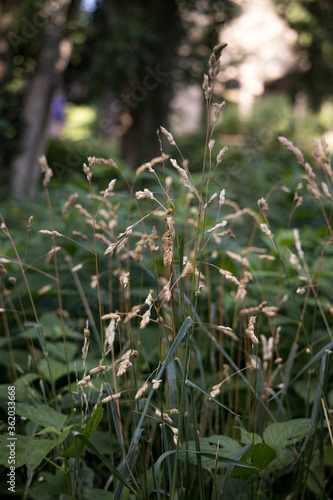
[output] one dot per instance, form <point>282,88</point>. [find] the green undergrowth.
<point>165,334</point>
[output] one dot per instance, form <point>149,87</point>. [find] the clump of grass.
<point>198,322</point>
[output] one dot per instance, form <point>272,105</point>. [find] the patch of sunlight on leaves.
<point>79,122</point>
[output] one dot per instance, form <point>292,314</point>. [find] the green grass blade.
<point>138,431</point>
<point>107,463</point>
<point>320,354</point>
<point>191,384</point>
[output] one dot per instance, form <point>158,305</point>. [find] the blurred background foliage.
<point>115,69</point>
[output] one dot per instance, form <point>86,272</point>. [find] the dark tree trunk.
<point>148,103</point>
<point>52,62</point>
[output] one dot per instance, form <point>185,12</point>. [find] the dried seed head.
<point>207,89</point>
<point>214,60</point>
<point>218,108</point>
<point>263,205</point>
<point>221,154</point>
<point>141,195</point>
<point>168,136</point>
<point>70,202</point>
<point>112,397</point>
<point>267,231</point>
<point>84,381</point>
<point>109,189</point>
<point>167,292</point>
<point>45,170</point>
<point>97,369</point>
<point>250,330</point>
<point>29,226</point>
<point>222,197</point>
<point>150,298</point>
<point>156,383</point>
<point>289,145</point>
<point>163,415</point>
<point>188,269</point>
<point>123,366</point>
<point>218,226</point>
<point>145,319</point>
<point>141,391</point>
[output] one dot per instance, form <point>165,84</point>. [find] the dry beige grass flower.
<point>168,135</point>
<point>141,391</point>
<point>112,397</point>
<point>267,231</point>
<point>145,319</point>
<point>156,383</point>
<point>263,205</point>
<point>289,145</point>
<point>141,195</point>
<point>163,415</point>
<point>250,330</point>
<point>214,60</point>
<point>220,155</point>
<point>48,174</point>
<point>188,270</point>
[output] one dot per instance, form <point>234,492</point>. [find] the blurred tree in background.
<point>313,22</point>
<point>124,57</point>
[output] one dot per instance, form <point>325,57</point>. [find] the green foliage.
<point>313,23</point>
<point>212,364</point>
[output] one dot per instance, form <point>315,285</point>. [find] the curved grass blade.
<point>138,431</point>
<point>107,463</point>
<point>320,354</point>
<point>230,461</point>
<point>191,384</point>
<point>230,361</point>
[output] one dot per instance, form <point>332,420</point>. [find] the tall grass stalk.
<point>183,336</point>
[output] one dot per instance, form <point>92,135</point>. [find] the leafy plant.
<point>165,342</point>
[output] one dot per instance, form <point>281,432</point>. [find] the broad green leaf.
<point>284,459</point>
<point>228,447</point>
<point>21,444</point>
<point>260,456</point>
<point>38,449</point>
<point>286,433</point>
<point>235,489</point>
<point>249,437</point>
<point>96,494</point>
<point>86,431</point>
<point>42,415</point>
<point>51,486</point>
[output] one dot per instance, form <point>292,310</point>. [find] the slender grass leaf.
<point>230,360</point>
<point>305,368</point>
<point>227,477</point>
<point>106,462</point>
<point>206,454</point>
<point>191,384</point>
<point>138,431</point>
<point>86,431</point>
